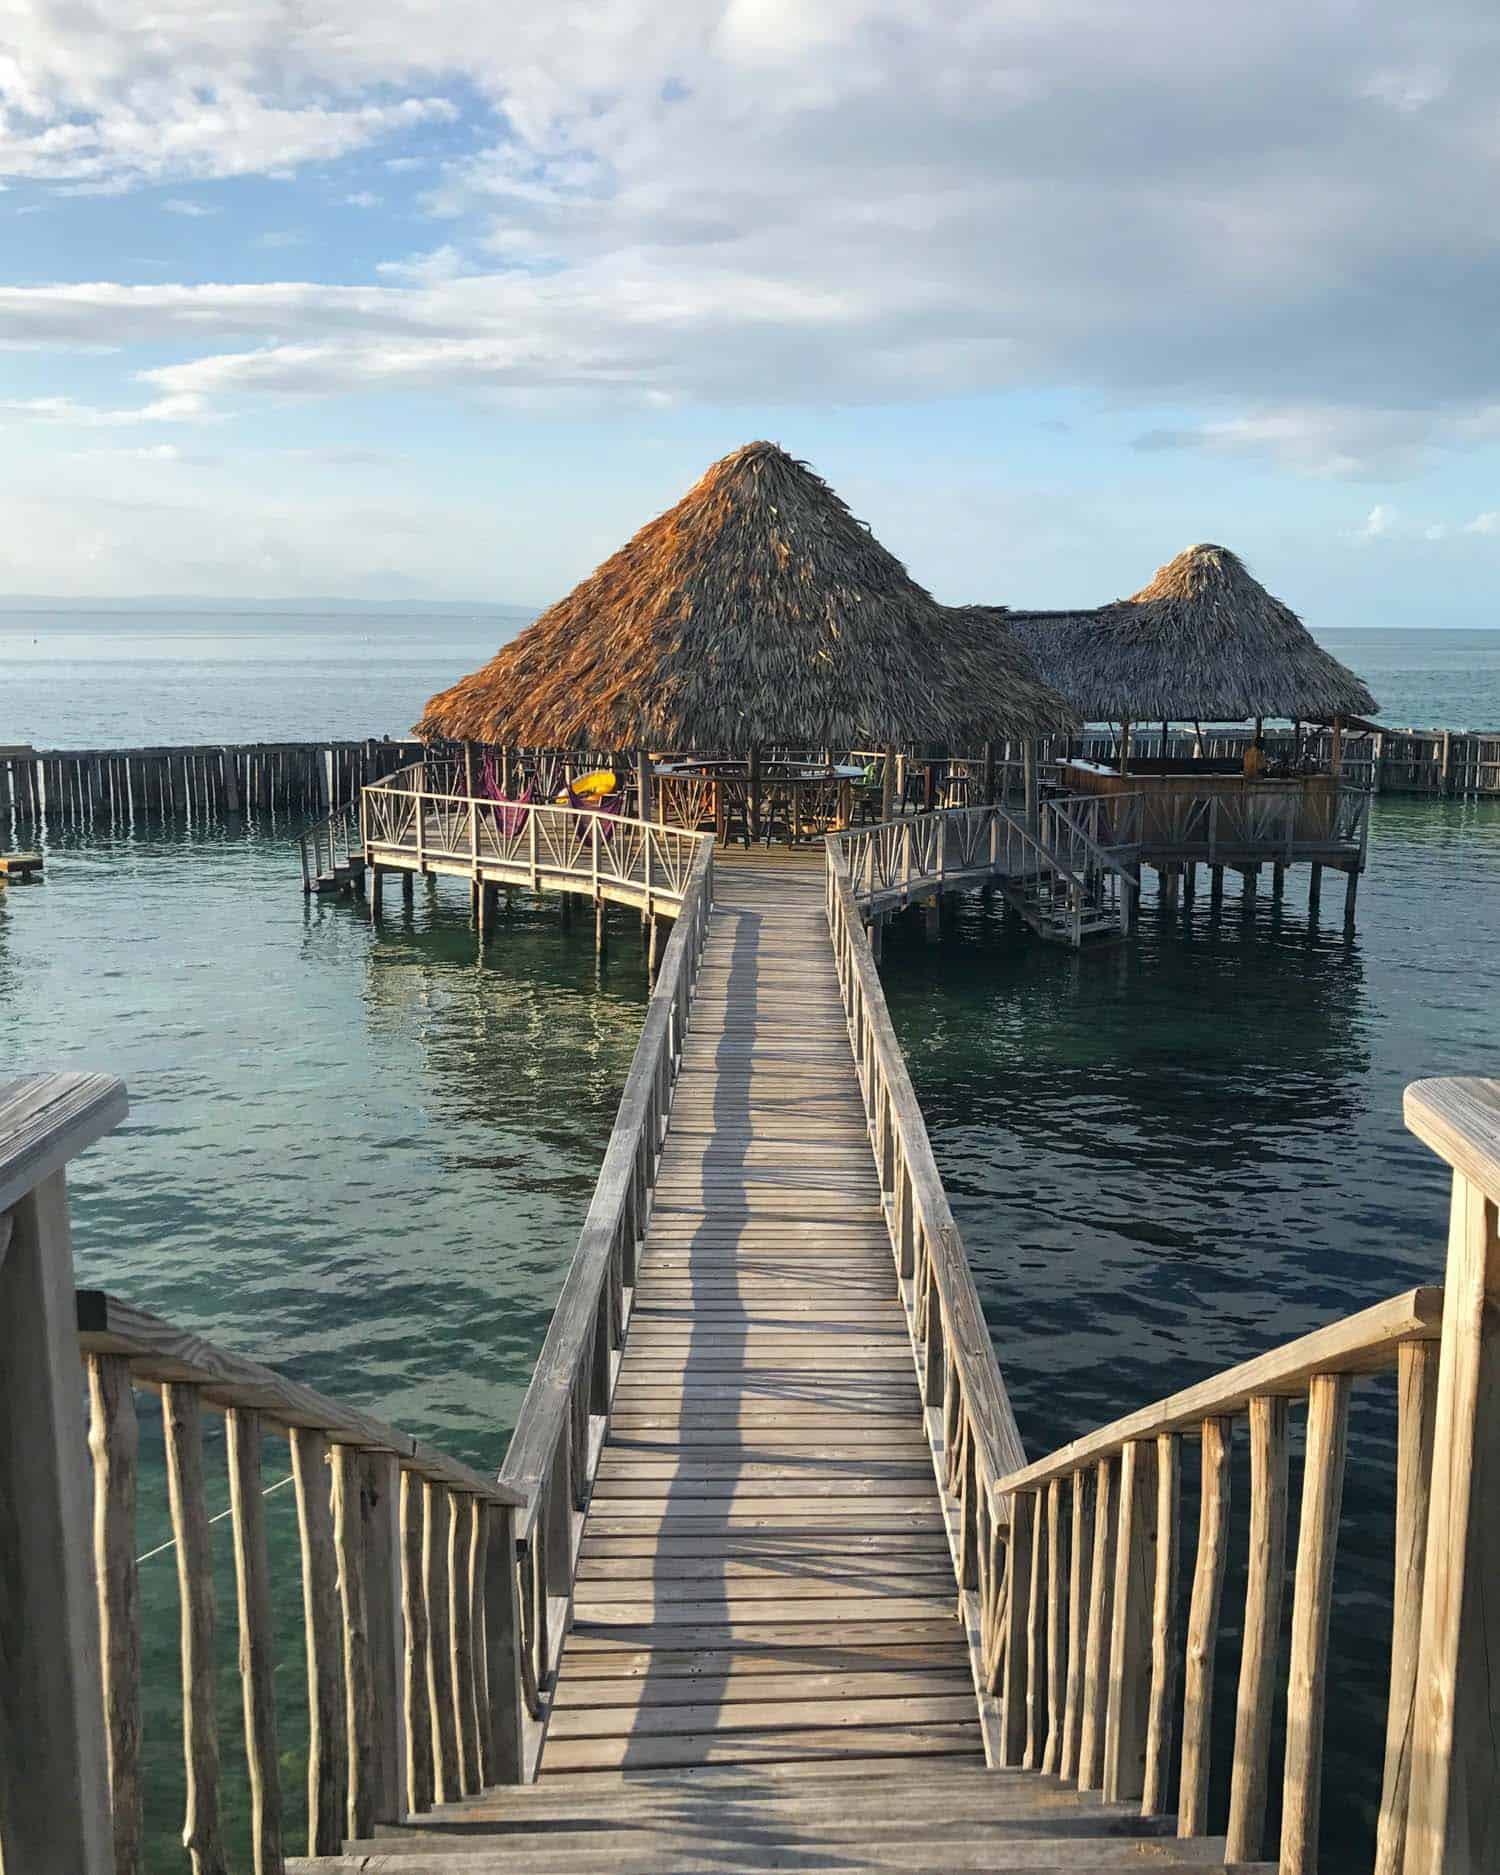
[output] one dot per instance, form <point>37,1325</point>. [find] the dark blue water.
<point>365,1157</point>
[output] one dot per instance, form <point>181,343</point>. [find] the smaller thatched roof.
<point>756,613</point>
<point>1204,641</point>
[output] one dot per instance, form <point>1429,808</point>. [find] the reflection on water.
<point>1170,1155</point>
<point>357,1155</point>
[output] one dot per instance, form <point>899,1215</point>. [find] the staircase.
<point>1058,911</point>
<point>864,1814</point>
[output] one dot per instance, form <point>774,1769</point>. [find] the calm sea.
<point>366,1158</point>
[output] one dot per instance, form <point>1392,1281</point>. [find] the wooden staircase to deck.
<point>918,1816</point>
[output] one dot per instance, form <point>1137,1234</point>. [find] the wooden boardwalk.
<point>765,1574</point>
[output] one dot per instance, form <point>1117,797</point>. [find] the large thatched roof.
<point>1203,641</point>
<point>756,613</point>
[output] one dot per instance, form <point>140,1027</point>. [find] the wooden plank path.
<point>765,1575</point>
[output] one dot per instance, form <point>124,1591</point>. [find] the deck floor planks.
<point>765,1574</point>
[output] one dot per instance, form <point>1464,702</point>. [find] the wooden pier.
<point>766,1579</point>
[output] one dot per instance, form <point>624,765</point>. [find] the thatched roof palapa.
<point>756,613</point>
<point>1204,641</point>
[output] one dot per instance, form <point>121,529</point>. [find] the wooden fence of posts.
<point>1443,762</point>
<point>197,784</point>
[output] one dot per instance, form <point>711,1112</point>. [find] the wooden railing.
<point>632,862</point>
<point>409,1578</point>
<point>968,1412</point>
<point>1094,1676</point>
<point>554,1450</point>
<point>330,846</point>
<point>1062,863</point>
<point>1259,821</point>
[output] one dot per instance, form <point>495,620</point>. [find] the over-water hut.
<point>757,617</point>
<point>1205,642</point>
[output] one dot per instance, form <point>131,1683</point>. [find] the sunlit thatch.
<point>756,613</point>
<point>1204,641</point>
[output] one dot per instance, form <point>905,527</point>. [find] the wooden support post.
<point>1262,1636</point>
<point>257,1647</point>
<point>1189,883</point>
<point>1036,1637</point>
<point>461,1639</point>
<point>1096,1652</point>
<point>1351,894</point>
<point>644,804</point>
<point>888,763</point>
<point>408,888</point>
<point>986,778</point>
<point>753,797</point>
<point>447,1784</point>
<point>326,1771</point>
<point>601,928</point>
<point>1080,1571</point>
<point>1018,1568</point>
<point>416,1695</point>
<point>932,919</point>
<point>1314,892</point>
<point>1029,771</point>
<point>359,1697</point>
<point>1215,887</point>
<point>1165,1652</point>
<point>1312,1602</point>
<point>182,1426</point>
<point>1056,1616</point>
<point>653,942</point>
<point>1418,1375</point>
<point>1128,1710</point>
<point>54,1777</point>
<point>1454,1822</point>
<point>1203,1628</point>
<point>1278,880</point>
<point>114,1442</point>
<point>502,1647</point>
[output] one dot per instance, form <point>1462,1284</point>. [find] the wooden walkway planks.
<point>765,1573</point>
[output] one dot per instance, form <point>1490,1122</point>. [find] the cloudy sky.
<point>390,299</point>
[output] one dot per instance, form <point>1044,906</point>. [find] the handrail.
<point>1366,1343</point>
<point>971,1425</point>
<point>161,1354</point>
<point>1101,856</point>
<point>532,843</point>
<point>411,1604</point>
<point>1090,1656</point>
<point>554,1450</point>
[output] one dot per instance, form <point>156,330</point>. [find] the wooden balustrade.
<point>378,1615</point>
<point>554,1450</point>
<point>423,820</point>
<point>973,1430</point>
<point>1124,1658</point>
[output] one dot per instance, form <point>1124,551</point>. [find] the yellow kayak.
<point>592,787</point>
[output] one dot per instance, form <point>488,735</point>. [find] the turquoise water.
<point>365,1157</point>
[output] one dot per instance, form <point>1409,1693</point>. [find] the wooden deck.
<point>765,1574</point>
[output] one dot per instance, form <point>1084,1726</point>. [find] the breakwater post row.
<point>200,783</point>
<point>1444,762</point>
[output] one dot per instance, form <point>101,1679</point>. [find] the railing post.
<point>1454,1821</point>
<point>502,1650</point>
<point>54,1776</point>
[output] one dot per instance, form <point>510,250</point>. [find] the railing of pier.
<point>526,843</point>
<point>329,845</point>
<point>1069,866</point>
<point>1101,1687</point>
<point>968,1413</point>
<point>1214,826</point>
<point>411,1609</point>
<point>554,1451</point>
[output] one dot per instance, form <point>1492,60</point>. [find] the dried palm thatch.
<point>1204,641</point>
<point>756,613</point>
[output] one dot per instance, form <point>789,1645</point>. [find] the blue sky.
<point>388,301</point>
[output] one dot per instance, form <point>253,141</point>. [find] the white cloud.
<point>1381,522</point>
<point>1278,213</point>
<point>175,407</point>
<point>1488,523</point>
<point>362,198</point>
<point>177,205</point>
